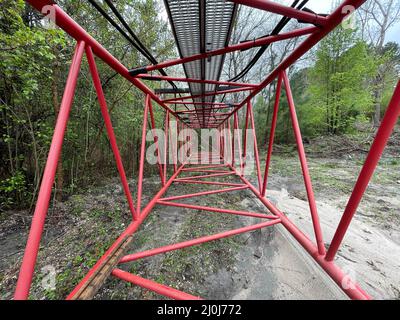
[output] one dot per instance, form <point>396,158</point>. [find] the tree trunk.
<point>378,88</point>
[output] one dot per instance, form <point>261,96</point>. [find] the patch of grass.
<point>78,204</point>
<point>182,269</point>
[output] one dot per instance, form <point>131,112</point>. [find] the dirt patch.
<point>258,265</point>
<point>371,248</point>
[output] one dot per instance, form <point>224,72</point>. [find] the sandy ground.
<point>369,254</point>
<point>260,265</point>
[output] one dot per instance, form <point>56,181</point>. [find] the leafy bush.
<point>13,191</point>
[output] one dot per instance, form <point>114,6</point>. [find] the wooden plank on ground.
<point>95,282</point>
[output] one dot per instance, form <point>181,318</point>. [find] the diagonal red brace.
<point>42,203</point>
<point>204,193</point>
<point>153,286</point>
<point>190,243</point>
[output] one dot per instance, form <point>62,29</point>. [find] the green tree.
<point>26,57</point>
<point>34,64</point>
<point>339,89</point>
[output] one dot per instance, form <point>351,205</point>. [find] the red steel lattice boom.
<point>202,67</point>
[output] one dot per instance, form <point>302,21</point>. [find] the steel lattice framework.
<point>202,31</point>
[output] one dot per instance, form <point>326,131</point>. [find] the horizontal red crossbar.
<point>221,104</point>
<point>218,210</point>
<point>190,80</point>
<point>201,156</point>
<point>289,12</point>
<point>205,193</point>
<point>207,176</point>
<point>193,112</point>
<point>213,183</point>
<point>153,286</point>
<point>208,94</point>
<point>237,47</point>
<point>205,170</point>
<point>332,22</point>
<point>190,243</point>
<point>209,166</point>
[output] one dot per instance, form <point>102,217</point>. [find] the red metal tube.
<point>166,129</point>
<point>272,134</point>
<point>218,210</point>
<point>190,80</point>
<point>185,145</point>
<point>204,193</point>
<point>228,142</point>
<point>173,146</point>
<point>217,114</point>
<point>142,155</point>
<point>110,131</point>
<point>65,22</point>
<point>289,12</point>
<point>382,136</point>
<point>332,22</point>
<point>256,156</point>
<point>153,127</point>
<point>207,176</point>
<point>205,170</point>
<point>191,113</point>
<point>246,126</point>
<point>351,288</point>
<point>239,143</point>
<point>223,141</point>
<point>194,242</point>
<point>304,167</point>
<point>216,104</point>
<point>211,183</point>
<point>220,142</point>
<point>214,166</point>
<point>128,231</point>
<point>42,204</point>
<point>237,47</point>
<point>178,143</point>
<point>208,94</point>
<point>153,286</point>
<point>232,139</point>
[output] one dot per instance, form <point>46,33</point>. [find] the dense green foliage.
<point>335,95</point>
<point>34,63</point>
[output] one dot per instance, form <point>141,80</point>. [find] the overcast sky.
<point>324,6</point>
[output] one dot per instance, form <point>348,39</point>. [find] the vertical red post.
<point>304,167</point>
<point>188,150</point>
<point>109,127</point>
<point>272,133</point>
<point>142,154</point>
<point>256,155</point>
<point>42,204</point>
<point>246,127</point>
<point>232,139</point>
<point>180,144</point>
<point>382,136</point>
<point>190,143</point>
<point>228,142</point>
<point>156,140</point>
<point>237,132</point>
<point>173,146</point>
<point>166,127</point>
<point>221,142</point>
